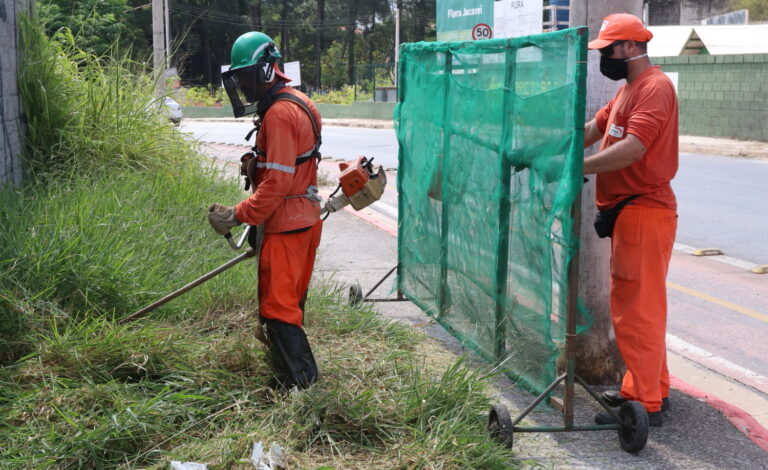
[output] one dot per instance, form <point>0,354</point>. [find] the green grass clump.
<point>86,243</point>
<point>87,113</point>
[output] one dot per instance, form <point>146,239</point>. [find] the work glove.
<point>222,218</point>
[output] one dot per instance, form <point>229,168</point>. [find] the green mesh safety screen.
<point>490,165</point>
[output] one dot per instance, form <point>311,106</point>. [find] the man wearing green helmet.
<point>282,174</point>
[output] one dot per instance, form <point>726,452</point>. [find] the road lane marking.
<point>723,303</point>
<point>739,263</point>
<point>718,364</point>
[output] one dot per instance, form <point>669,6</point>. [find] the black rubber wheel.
<point>500,425</point>
<point>634,433</point>
<point>355,294</point>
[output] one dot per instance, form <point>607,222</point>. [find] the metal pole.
<point>248,254</point>
<point>397,41</point>
<point>504,205</point>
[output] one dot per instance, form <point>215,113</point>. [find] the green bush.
<point>201,96</point>
<point>345,95</point>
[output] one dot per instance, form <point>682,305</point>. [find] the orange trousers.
<point>641,247</point>
<point>285,269</point>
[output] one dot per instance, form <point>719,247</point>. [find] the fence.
<point>490,163</point>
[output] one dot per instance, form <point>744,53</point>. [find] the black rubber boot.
<point>291,355</point>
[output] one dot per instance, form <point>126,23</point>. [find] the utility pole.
<point>397,42</point>
<point>158,45</point>
<point>598,360</point>
<point>167,33</point>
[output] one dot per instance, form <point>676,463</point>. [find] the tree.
<point>96,24</point>
<point>758,9</point>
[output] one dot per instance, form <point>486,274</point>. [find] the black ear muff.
<point>264,72</point>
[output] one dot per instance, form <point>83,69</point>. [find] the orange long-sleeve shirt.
<point>286,132</point>
<point>646,109</point>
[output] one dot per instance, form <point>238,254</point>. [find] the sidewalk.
<point>694,435</point>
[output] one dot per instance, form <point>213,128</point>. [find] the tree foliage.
<point>333,39</point>
<point>97,24</point>
<point>758,9</point>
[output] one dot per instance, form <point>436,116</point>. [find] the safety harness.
<point>248,160</point>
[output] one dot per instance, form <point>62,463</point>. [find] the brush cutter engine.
<point>360,184</point>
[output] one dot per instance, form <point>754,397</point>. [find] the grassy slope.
<point>113,218</point>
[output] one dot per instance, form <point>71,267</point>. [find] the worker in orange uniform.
<point>282,174</point>
<point>638,158</point>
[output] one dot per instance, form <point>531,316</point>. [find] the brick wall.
<point>10,106</point>
<point>722,95</point>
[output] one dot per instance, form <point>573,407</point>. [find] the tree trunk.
<point>351,42</point>
<point>284,30</point>
<point>421,26</point>
<point>319,43</point>
<point>207,54</point>
<point>254,12</point>
<point>597,358</point>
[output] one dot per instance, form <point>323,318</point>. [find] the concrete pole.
<point>598,360</point>
<point>167,33</point>
<point>158,45</point>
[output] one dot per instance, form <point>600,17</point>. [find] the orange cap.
<point>620,27</point>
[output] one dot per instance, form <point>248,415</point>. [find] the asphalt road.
<point>343,143</point>
<point>721,199</point>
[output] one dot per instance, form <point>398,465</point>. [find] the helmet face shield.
<point>244,86</point>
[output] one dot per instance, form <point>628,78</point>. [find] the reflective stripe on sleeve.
<point>276,166</point>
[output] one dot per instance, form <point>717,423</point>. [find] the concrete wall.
<point>685,12</point>
<point>722,95</point>
<point>10,105</point>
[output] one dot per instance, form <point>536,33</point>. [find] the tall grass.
<point>87,113</point>
<point>88,241</point>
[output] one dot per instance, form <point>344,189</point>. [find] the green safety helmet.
<point>254,59</point>
<point>252,48</point>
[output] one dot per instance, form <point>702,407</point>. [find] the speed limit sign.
<point>482,31</point>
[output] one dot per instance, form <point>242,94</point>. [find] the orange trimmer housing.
<point>353,178</point>
<point>360,183</point>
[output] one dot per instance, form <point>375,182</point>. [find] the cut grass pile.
<point>86,243</point>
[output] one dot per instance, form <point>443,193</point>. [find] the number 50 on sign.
<point>482,31</point>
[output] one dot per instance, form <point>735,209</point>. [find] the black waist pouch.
<point>605,220</point>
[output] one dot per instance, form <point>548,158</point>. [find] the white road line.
<point>739,263</point>
<point>718,364</point>
<point>386,208</point>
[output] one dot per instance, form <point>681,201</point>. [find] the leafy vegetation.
<point>758,9</point>
<point>201,96</point>
<point>328,37</point>
<point>111,218</point>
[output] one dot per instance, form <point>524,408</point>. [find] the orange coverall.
<point>292,224</point>
<point>641,245</point>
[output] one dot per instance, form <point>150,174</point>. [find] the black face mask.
<point>615,69</point>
